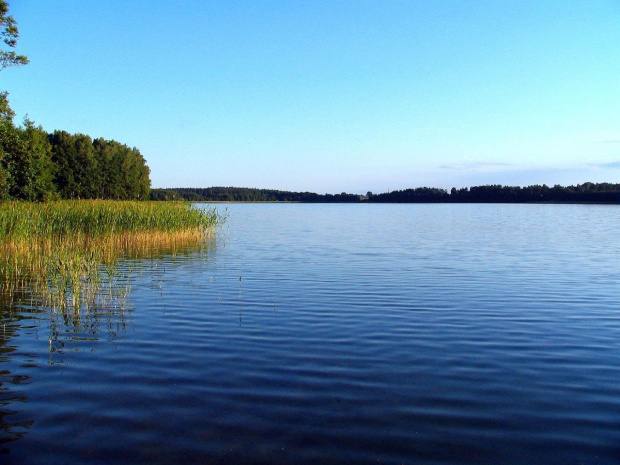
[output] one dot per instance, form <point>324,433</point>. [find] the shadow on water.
<point>82,290</point>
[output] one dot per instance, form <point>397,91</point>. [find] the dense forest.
<point>586,192</point>
<point>243,194</point>
<point>35,165</point>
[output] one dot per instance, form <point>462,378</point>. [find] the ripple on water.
<point>340,334</point>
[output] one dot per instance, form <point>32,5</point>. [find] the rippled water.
<point>418,334</point>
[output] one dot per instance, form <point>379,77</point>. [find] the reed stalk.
<point>62,253</point>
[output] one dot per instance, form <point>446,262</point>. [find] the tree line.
<point>587,193</point>
<point>36,165</point>
<point>244,194</point>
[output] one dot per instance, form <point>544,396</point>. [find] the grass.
<point>64,252</point>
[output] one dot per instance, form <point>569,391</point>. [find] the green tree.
<point>10,34</point>
<point>138,180</point>
<point>6,112</point>
<point>7,139</point>
<point>6,130</point>
<point>110,158</point>
<point>86,168</point>
<point>123,170</point>
<point>25,162</point>
<point>35,163</point>
<point>14,161</point>
<point>64,157</point>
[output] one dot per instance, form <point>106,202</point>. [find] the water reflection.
<point>12,427</point>
<point>12,430</point>
<point>76,315</point>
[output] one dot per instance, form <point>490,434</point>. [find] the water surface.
<point>422,334</point>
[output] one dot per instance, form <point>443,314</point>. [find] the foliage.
<point>35,165</point>
<point>25,164</point>
<point>242,194</point>
<point>98,169</point>
<point>166,194</point>
<point>587,192</point>
<point>38,166</point>
<point>27,161</point>
<point>417,195</point>
<point>10,34</point>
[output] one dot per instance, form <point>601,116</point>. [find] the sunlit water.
<point>331,334</point>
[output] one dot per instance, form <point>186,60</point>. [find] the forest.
<point>36,165</point>
<point>244,194</point>
<point>582,193</point>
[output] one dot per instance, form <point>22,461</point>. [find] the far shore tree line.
<point>36,166</point>
<point>582,193</point>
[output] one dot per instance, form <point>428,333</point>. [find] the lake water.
<point>336,334</point>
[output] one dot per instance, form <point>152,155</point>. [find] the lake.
<point>335,334</point>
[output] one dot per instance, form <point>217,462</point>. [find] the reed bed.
<point>64,253</point>
<point>92,218</point>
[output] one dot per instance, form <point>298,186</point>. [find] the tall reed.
<point>62,252</point>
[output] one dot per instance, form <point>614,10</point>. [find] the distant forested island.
<point>582,193</point>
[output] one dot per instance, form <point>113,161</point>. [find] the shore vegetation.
<point>581,193</point>
<point>64,253</point>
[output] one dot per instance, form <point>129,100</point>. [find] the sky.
<point>332,96</point>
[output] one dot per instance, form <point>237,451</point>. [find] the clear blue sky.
<point>332,96</point>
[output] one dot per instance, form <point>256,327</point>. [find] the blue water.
<point>417,334</point>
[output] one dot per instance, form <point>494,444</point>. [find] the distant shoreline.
<point>586,193</point>
<point>413,203</point>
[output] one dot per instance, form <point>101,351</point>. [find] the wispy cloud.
<point>470,165</point>
<point>610,164</point>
